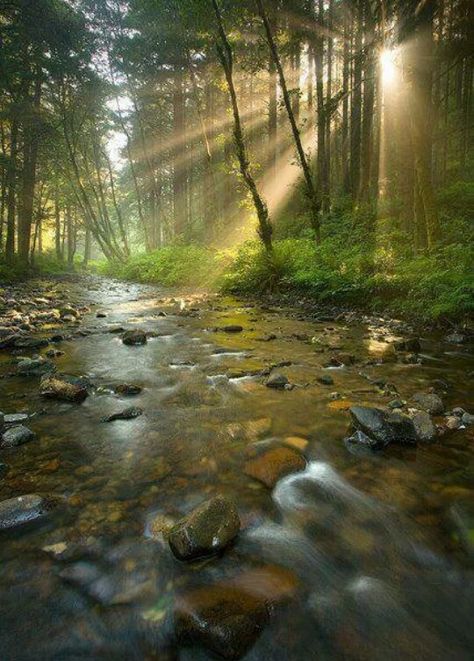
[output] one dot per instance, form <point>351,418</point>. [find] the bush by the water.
<point>426,287</point>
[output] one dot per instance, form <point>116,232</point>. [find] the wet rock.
<point>277,381</point>
<point>425,429</point>
<point>326,380</point>
<point>19,511</point>
<point>358,438</point>
<point>455,338</point>
<point>223,619</point>
<point>62,388</point>
<point>382,426</point>
<point>396,404</point>
<point>268,338</point>
<point>134,337</point>
<point>467,419</point>
<point>68,313</point>
<point>54,353</point>
<point>57,338</point>
<point>232,328</point>
<point>207,530</point>
<point>17,435</point>
<point>30,343</point>
<point>453,422</point>
<point>127,414</point>
<point>412,345</point>
<point>4,468</point>
<point>429,402</point>
<point>341,360</point>
<point>35,367</point>
<point>127,389</point>
<point>273,464</point>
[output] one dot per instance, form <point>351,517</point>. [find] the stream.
<point>360,555</point>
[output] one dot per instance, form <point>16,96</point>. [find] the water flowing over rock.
<point>383,426</point>
<point>127,414</point>
<point>134,337</point>
<point>273,464</point>
<point>207,530</point>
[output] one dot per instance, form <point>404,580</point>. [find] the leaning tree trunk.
<point>226,58</point>
<point>308,177</point>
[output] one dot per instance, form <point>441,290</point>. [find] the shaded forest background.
<point>321,145</point>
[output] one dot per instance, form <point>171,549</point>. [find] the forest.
<point>319,145</point>
<point>236,330</point>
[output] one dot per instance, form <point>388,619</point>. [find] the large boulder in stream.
<point>63,388</point>
<point>19,511</point>
<point>383,426</point>
<point>207,530</point>
<point>134,337</point>
<point>17,435</point>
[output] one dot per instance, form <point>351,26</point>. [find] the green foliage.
<point>45,264</point>
<point>423,288</point>
<point>174,265</point>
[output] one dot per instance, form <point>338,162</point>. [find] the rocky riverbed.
<point>185,476</point>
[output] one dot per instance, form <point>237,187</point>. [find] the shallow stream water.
<point>365,545</point>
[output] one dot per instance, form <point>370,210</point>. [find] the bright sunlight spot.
<point>388,61</point>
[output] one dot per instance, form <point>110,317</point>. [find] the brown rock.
<point>54,387</point>
<point>273,464</point>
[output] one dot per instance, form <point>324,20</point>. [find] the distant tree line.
<point>211,101</point>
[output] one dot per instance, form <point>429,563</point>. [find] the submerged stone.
<point>382,426</point>
<point>127,414</point>
<point>410,344</point>
<point>207,530</point>
<point>232,328</point>
<point>127,389</point>
<point>273,464</point>
<point>223,619</point>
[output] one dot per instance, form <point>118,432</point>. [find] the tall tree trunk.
<point>311,192</point>
<point>356,101</point>
<point>418,67</point>
<point>226,58</point>
<point>57,227</point>
<point>368,109</point>
<point>179,156</point>
<point>30,159</point>
<point>87,247</point>
<point>11,195</point>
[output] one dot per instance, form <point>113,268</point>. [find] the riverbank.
<point>435,290</point>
